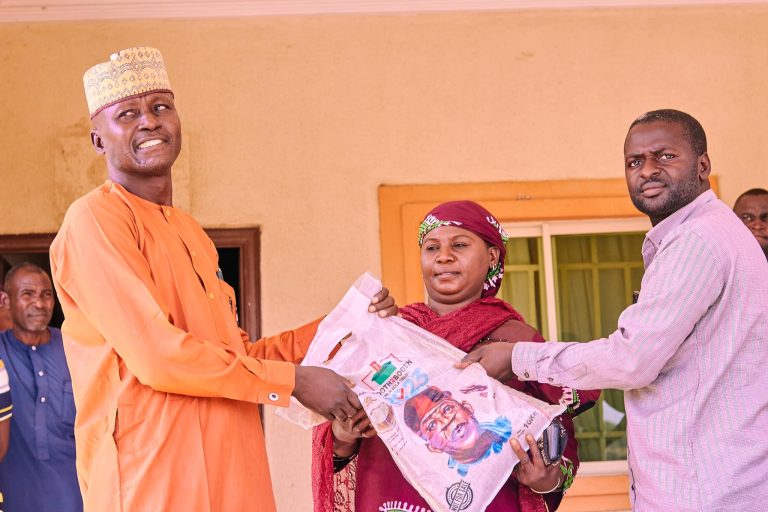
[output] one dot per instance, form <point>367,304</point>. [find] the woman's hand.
<point>532,472</point>
<point>347,433</point>
<point>383,304</point>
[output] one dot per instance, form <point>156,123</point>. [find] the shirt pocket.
<point>230,301</point>
<point>68,410</point>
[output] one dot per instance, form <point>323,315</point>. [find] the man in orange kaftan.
<point>166,385</point>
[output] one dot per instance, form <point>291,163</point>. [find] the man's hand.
<point>496,358</point>
<point>325,392</point>
<point>383,304</point>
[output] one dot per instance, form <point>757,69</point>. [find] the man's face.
<point>753,212</point>
<point>662,170</point>
<point>450,427</point>
<point>30,298</point>
<point>140,136</point>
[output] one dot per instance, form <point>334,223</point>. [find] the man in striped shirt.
<point>692,353</point>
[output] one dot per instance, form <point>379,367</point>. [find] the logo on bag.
<point>386,374</point>
<point>394,379</point>
<point>382,372</point>
<point>459,496</point>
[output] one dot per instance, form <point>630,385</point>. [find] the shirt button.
<point>167,213</point>
<point>274,397</point>
<point>210,295</point>
<point>550,379</point>
<point>526,375</point>
<point>193,254</point>
<point>34,348</point>
<point>41,373</point>
<point>42,399</point>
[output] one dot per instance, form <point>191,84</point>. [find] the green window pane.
<point>576,304</point>
<point>618,248</point>
<point>523,283</point>
<point>522,251</point>
<point>573,249</point>
<point>613,288</point>
<point>594,279</point>
<point>596,275</point>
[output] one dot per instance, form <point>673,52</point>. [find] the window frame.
<point>547,230</point>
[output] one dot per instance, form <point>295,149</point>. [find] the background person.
<point>752,208</point>
<point>38,471</point>
<point>462,264</point>
<point>690,354</point>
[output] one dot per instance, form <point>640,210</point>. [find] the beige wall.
<point>292,123</point>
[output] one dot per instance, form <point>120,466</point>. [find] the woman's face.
<point>454,263</point>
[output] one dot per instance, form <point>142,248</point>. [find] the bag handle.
<point>349,315</point>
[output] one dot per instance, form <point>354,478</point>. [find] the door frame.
<point>244,239</point>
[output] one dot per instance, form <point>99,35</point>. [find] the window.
<point>571,280</point>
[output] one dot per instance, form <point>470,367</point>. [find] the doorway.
<point>238,250</point>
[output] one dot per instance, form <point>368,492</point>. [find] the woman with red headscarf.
<point>462,264</point>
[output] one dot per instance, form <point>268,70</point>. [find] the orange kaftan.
<point>166,385</point>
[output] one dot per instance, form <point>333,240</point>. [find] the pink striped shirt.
<point>692,356</point>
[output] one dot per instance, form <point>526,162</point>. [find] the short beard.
<point>678,195</point>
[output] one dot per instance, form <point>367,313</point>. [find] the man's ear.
<point>98,144</point>
<point>5,300</point>
<point>704,166</point>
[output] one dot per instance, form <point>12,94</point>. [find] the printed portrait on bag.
<point>449,426</point>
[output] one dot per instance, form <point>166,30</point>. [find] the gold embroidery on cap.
<point>128,72</point>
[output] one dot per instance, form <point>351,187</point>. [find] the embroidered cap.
<point>127,74</point>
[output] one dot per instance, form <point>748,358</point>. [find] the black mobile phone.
<point>552,442</point>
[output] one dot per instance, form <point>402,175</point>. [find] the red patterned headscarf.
<point>472,217</point>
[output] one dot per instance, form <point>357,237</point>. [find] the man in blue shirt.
<point>38,472</point>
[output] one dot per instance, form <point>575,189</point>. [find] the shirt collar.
<point>663,228</point>
<point>20,346</point>
<point>121,190</point>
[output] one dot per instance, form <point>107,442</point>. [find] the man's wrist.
<point>523,360</point>
<point>298,374</point>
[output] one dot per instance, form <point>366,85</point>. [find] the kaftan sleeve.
<point>102,277</point>
<point>287,346</point>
